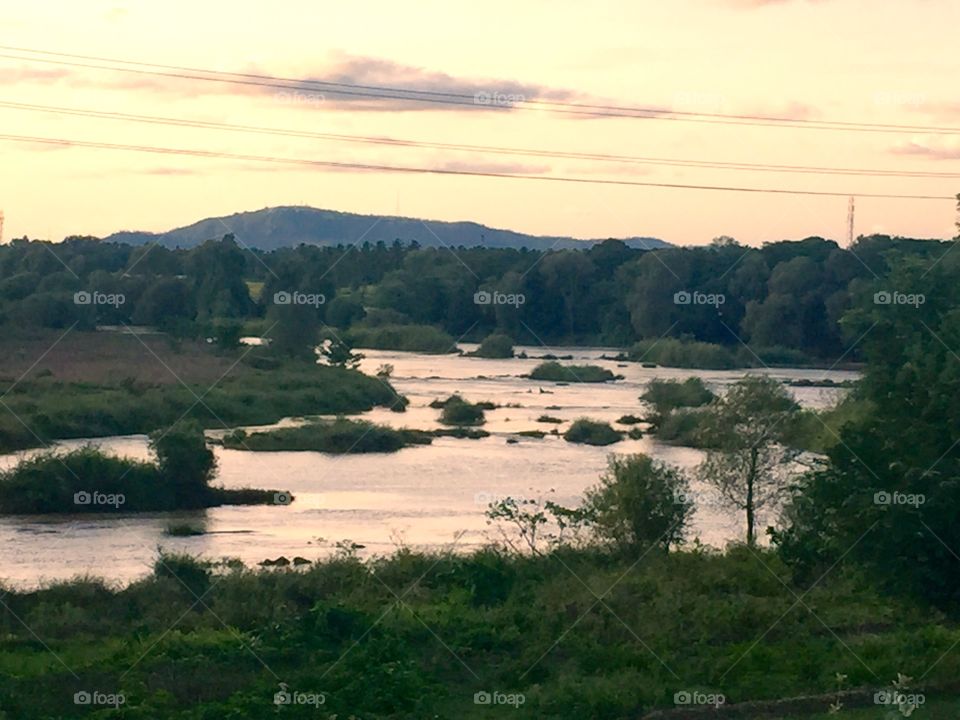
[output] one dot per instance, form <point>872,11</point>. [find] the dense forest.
<point>785,300</point>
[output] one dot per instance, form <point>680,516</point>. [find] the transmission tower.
<point>851,214</point>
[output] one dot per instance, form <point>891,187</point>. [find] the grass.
<point>671,352</point>
<point>555,372</point>
<point>495,346</point>
<point>408,338</point>
<point>340,436</point>
<point>530,624</point>
<point>591,432</point>
<point>94,400</point>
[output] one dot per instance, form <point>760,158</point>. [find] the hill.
<point>278,227</point>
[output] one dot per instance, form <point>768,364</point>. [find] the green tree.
<point>747,427</point>
<point>639,502</point>
<point>185,462</point>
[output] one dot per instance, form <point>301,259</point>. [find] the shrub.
<point>185,462</point>
<point>496,345</point>
<point>671,352</point>
<point>555,372</point>
<point>639,502</point>
<point>664,396</point>
<point>409,338</point>
<point>339,436</point>
<point>590,432</point>
<point>457,411</point>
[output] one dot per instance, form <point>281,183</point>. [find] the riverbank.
<point>576,633</point>
<point>89,385</point>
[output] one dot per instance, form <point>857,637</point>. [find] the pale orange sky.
<point>844,60</point>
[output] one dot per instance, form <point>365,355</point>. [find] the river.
<point>422,497</point>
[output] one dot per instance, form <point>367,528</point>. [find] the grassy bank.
<point>484,622</point>
<point>338,436</point>
<point>128,385</point>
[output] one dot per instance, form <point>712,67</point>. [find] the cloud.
<point>933,147</point>
<point>408,88</point>
<point>44,76</point>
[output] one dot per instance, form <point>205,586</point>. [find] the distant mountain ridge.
<point>280,227</point>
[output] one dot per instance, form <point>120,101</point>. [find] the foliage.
<point>336,628</point>
<point>339,436</point>
<point>591,432</point>
<point>340,354</point>
<point>496,345</point>
<point>888,494</point>
<point>638,504</point>
<point>680,353</point>
<point>411,338</point>
<point>747,428</point>
<point>457,411</point>
<point>665,396</point>
<point>555,372</point>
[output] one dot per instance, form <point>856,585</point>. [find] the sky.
<point>846,61</point>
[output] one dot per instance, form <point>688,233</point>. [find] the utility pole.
<point>851,214</point>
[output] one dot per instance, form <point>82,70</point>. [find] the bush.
<point>590,432</point>
<point>408,338</point>
<point>185,462</point>
<point>496,345</point>
<point>664,396</point>
<point>339,436</point>
<point>457,411</point>
<point>555,372</point>
<point>671,352</point>
<point>639,502</point>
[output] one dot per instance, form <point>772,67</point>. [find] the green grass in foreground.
<point>487,621</point>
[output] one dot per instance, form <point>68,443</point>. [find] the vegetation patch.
<point>340,436</point>
<point>591,432</point>
<point>407,338</point>
<point>495,346</point>
<point>555,372</point>
<point>87,480</point>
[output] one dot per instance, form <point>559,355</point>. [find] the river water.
<point>421,497</point>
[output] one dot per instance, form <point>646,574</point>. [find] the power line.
<point>494,149</point>
<point>442,171</point>
<point>464,99</point>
